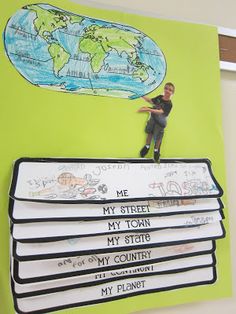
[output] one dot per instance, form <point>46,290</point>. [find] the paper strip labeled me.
<point>111,180</point>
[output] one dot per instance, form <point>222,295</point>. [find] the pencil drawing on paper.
<point>67,186</point>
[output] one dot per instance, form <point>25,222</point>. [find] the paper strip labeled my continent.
<point>112,180</point>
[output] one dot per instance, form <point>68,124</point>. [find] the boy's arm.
<point>147,99</point>
<point>147,109</point>
<point>156,111</point>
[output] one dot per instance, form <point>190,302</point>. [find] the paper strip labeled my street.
<point>21,211</point>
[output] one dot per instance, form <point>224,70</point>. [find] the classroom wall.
<point>219,13</point>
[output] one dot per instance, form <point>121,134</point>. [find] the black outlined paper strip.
<point>168,267</point>
<point>112,180</point>
<point>116,243</point>
<point>45,270</point>
<point>24,212</point>
<point>113,291</point>
<point>54,231</point>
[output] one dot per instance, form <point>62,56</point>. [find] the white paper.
<point>117,289</point>
<point>29,271</point>
<point>100,181</point>
<point>115,242</point>
<point>43,211</point>
<point>53,230</point>
<point>174,266</point>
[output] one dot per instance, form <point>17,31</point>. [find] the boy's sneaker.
<point>157,156</point>
<point>144,151</point>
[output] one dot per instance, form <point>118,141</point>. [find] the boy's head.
<point>169,89</point>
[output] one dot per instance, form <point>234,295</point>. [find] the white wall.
<point>219,13</point>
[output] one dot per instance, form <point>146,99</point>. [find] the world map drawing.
<point>63,51</point>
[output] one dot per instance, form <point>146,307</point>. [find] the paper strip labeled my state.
<point>113,291</point>
<point>173,266</point>
<point>116,242</point>
<point>35,271</point>
<point>31,232</point>
<point>22,212</point>
<point>112,180</point>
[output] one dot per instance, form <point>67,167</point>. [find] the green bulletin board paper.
<point>36,122</point>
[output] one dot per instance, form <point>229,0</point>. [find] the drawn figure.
<point>77,185</point>
<point>88,192</point>
<point>187,202</point>
<point>157,121</point>
<point>184,248</point>
<point>67,178</point>
<point>68,186</point>
<point>46,193</point>
<point>103,188</point>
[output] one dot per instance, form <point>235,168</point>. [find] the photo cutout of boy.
<point>157,122</point>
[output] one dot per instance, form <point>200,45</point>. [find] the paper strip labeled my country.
<point>29,232</point>
<point>172,266</point>
<point>21,211</point>
<point>51,269</point>
<point>112,291</point>
<point>101,181</point>
<point>116,242</point>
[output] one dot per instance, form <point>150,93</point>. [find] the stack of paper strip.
<point>86,231</point>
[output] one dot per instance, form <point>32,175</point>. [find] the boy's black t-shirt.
<point>160,103</point>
